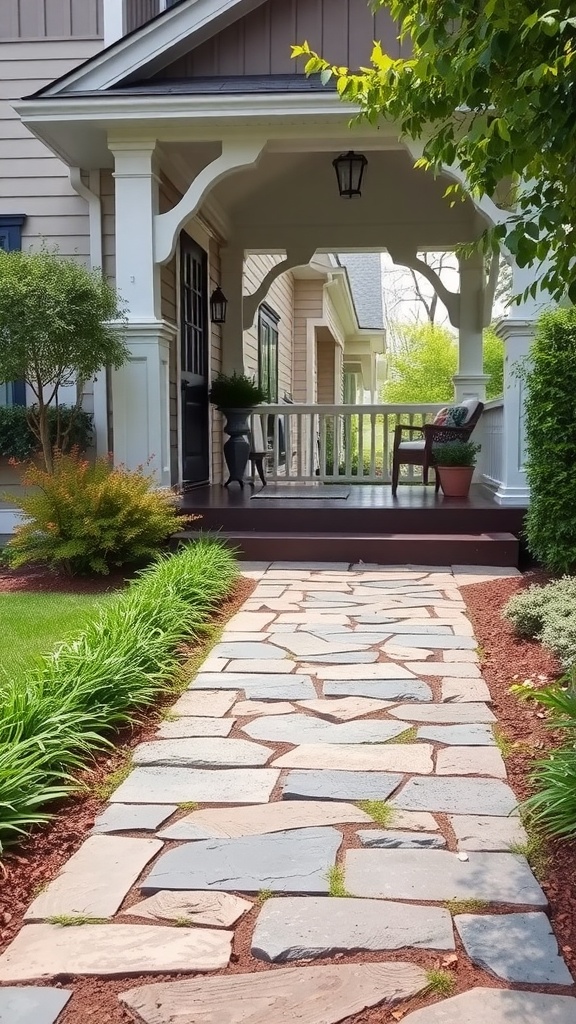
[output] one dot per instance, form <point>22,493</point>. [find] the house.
<point>179,146</point>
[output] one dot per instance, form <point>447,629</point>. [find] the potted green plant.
<point>235,395</point>
<point>455,462</point>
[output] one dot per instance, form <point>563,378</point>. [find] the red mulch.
<point>37,579</point>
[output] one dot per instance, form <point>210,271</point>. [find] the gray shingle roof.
<point>364,271</point>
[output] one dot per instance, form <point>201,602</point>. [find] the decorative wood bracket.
<point>450,299</point>
<point>294,258</point>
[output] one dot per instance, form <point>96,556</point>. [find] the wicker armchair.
<point>420,451</point>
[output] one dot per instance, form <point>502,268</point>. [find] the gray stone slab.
<point>217,909</point>
<point>386,839</point>
<point>32,1005</point>
<point>516,947</point>
<point>293,861</point>
<point>463,691</point>
<point>132,817</point>
<point>449,795</point>
<point>254,651</point>
<point>411,628</point>
<point>364,639</point>
<point>185,785</point>
<point>353,658</point>
<point>294,928</point>
<point>438,642</point>
<point>343,709</point>
<point>437,875</point>
<point>458,735</point>
<point>481,832</point>
<point>386,689</point>
<point>445,714</point>
<point>305,729</point>
<point>279,816</point>
<point>470,761</point>
<point>190,727</point>
<point>339,785</point>
<point>499,1006</point>
<point>208,752</point>
<point>260,686</point>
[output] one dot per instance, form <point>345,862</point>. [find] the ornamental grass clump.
<point>86,517</point>
<point>53,718</point>
<point>547,614</point>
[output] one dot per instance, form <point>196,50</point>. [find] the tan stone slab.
<point>271,604</point>
<point>406,653</point>
<point>188,727</point>
<point>412,758</point>
<point>470,761</point>
<point>218,909</point>
<point>316,618</point>
<point>204,703</point>
<point>345,708</point>
<point>462,691</point>
<point>213,665</point>
<point>459,670</point>
<point>229,637</point>
<point>379,670</point>
<point>249,622</point>
<point>470,656</point>
<point>452,713</point>
<point>308,995</point>
<point>112,951</point>
<point>232,822</point>
<point>248,708</point>
<point>272,666</point>
<point>413,821</point>
<point>362,615</point>
<point>94,882</point>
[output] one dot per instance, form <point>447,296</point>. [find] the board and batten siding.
<point>280,299</point>
<point>51,19</point>
<point>343,31</point>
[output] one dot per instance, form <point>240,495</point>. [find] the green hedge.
<point>53,718</point>
<point>18,442</point>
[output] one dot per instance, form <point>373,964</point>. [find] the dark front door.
<point>194,363</point>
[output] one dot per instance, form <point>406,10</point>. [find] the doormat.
<point>312,493</point>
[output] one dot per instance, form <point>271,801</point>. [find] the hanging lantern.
<point>218,306</point>
<point>350,169</point>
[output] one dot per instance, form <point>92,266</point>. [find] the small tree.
<point>55,330</point>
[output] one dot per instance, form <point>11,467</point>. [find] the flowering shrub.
<point>87,518</point>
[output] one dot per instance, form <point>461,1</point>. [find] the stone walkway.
<point>337,742</point>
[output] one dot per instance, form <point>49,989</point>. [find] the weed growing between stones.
<point>188,805</point>
<point>465,906</point>
<point>68,920</point>
<point>105,787</point>
<point>336,881</point>
<point>504,744</point>
<point>408,736</point>
<point>263,895</point>
<point>379,810</point>
<point>534,849</point>
<point>441,983</point>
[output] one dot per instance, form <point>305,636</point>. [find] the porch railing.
<point>335,443</point>
<point>492,431</point>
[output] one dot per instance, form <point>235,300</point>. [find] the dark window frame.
<point>269,338</point>
<point>11,241</point>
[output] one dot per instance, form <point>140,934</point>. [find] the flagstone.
<point>32,1005</point>
<point>339,785</point>
<point>230,823</point>
<point>313,566</point>
<point>357,658</point>
<point>438,642</point>
<point>406,653</point>
<point>458,735</point>
<point>446,795</point>
<point>217,909</point>
<point>249,621</point>
<point>469,656</point>
<point>291,861</point>
<point>371,618</point>
<point>307,729</point>
<point>296,928</point>
<point>345,708</point>
<point>187,785</point>
<point>516,947</point>
<point>94,882</point>
<point>253,651</point>
<point>250,708</point>
<point>461,669</point>
<point>416,821</point>
<point>408,757</point>
<point>388,839</point>
<point>265,589</point>
<point>112,951</point>
<point>499,1006</point>
<point>488,833</point>
<point>386,689</point>
<point>470,761</point>
<point>204,704</point>
<point>271,604</point>
<point>364,639</point>
<point>273,665</point>
<point>132,818</point>
<point>188,727</point>
<point>203,752</point>
<point>362,672</point>
<point>313,618</point>
<point>310,995</point>
<point>213,665</point>
<point>400,628</point>
<point>306,644</point>
<point>464,691</point>
<point>437,875</point>
<point>445,714</point>
<point>261,685</point>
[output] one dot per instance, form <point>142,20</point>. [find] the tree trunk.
<point>44,433</point>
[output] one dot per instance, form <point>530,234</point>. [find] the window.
<point>268,352</point>
<point>12,392</point>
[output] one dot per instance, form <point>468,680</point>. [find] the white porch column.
<point>140,389</point>
<point>232,269</point>
<point>470,380</point>
<point>114,13</point>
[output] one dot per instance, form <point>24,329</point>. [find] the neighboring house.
<point>178,146</point>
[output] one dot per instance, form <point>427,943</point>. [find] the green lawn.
<point>33,624</point>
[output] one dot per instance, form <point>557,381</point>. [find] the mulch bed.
<point>38,579</point>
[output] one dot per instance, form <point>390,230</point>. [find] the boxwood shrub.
<point>17,440</point>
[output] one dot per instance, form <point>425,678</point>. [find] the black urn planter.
<point>237,447</point>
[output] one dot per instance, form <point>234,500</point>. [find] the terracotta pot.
<point>455,480</point>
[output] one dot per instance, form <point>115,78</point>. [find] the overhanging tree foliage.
<point>491,87</point>
<point>423,366</point>
<point>55,330</point>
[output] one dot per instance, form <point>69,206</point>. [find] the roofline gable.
<point>191,22</point>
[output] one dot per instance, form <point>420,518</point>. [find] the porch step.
<point>384,548</point>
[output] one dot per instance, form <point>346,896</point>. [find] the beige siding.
<point>280,298</point>
<point>51,19</point>
<point>217,434</point>
<point>32,181</point>
<point>326,367</point>
<point>308,305</point>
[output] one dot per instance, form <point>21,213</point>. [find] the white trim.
<point>114,12</point>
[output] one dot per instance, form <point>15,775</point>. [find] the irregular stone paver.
<point>132,817</point>
<point>417,821</point>
<point>272,666</point>
<point>190,727</point>
<point>209,752</point>
<point>399,629</point>
<point>471,656</point>
<point>441,643</point>
<point>310,995</point>
<point>254,651</point>
<point>389,689</point>
<point>304,644</point>
<point>32,1005</point>
<point>296,928</point>
<point>458,735</point>
<point>389,840</point>
<point>465,690</point>
<point>406,654</point>
<point>249,621</point>
<point>450,795</point>
<point>95,880</point>
<point>339,785</point>
<point>260,685</point>
<point>409,757</point>
<point>200,704</point>
<point>436,875</point>
<point>516,947</point>
<point>481,832</point>
<point>461,670</point>
<point>229,823</point>
<point>499,1006</point>
<point>110,950</point>
<point>305,729</point>
<point>292,861</point>
<point>183,785</point>
<point>365,639</point>
<point>344,709</point>
<point>380,671</point>
<point>353,659</point>
<point>445,714</point>
<point>218,909</point>
<point>250,708</point>
<point>470,761</point>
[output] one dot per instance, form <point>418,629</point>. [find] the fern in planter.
<point>236,391</point>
